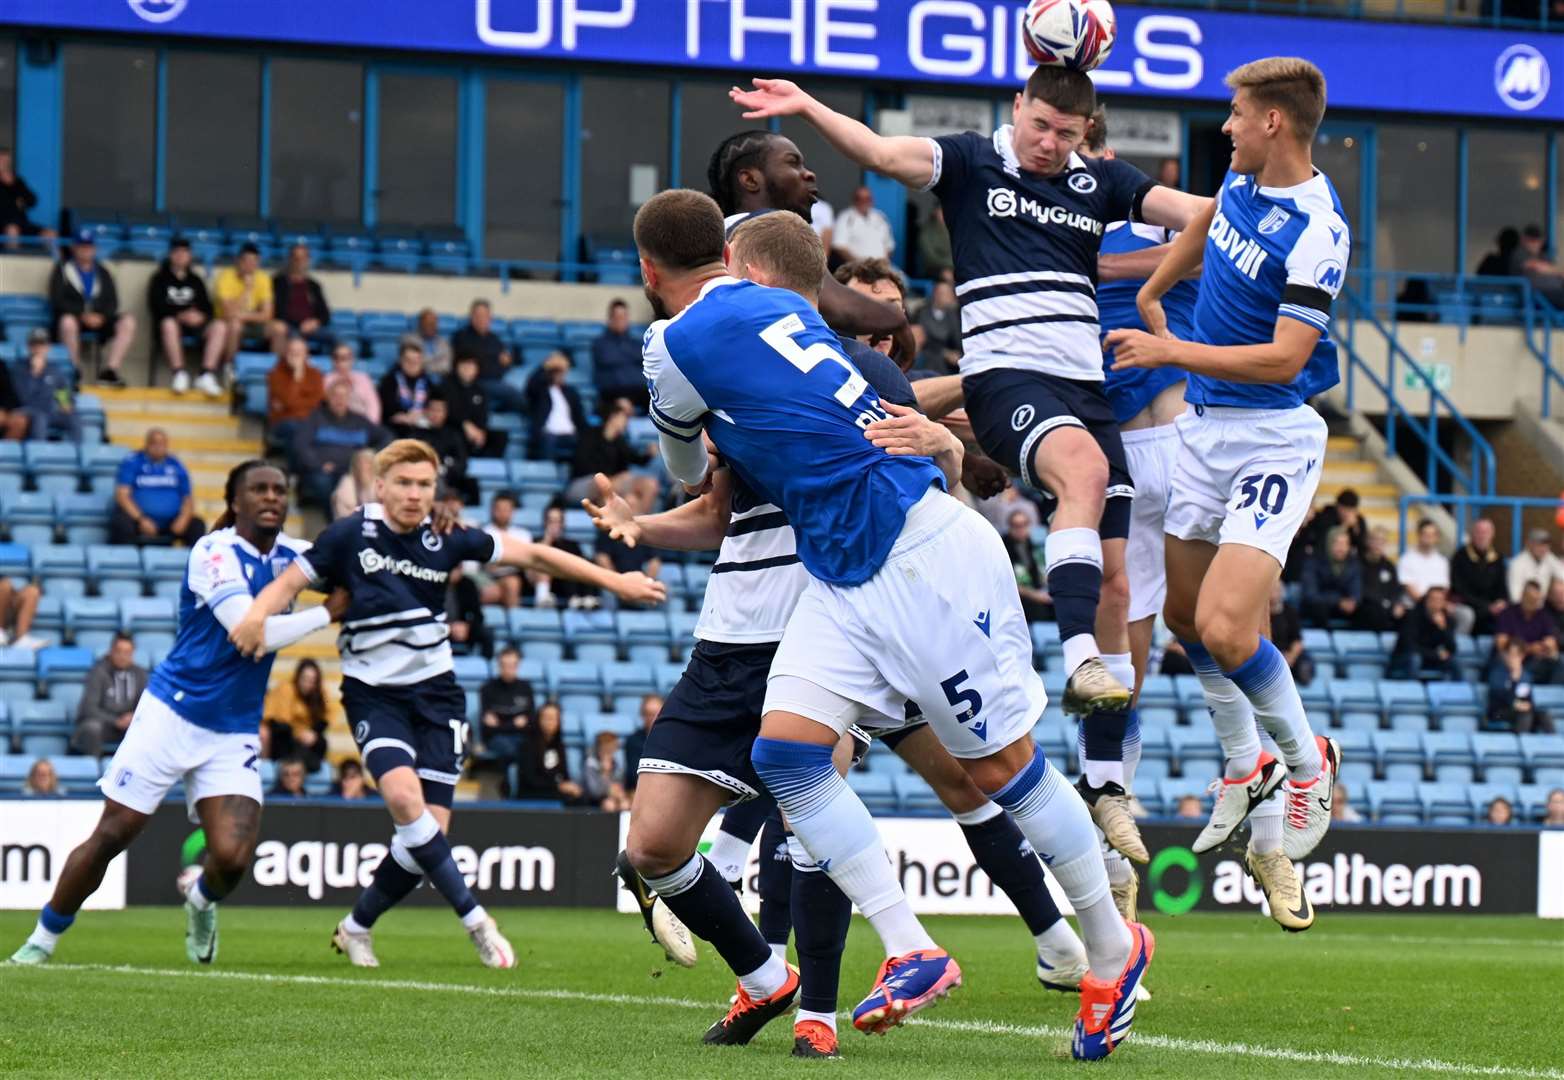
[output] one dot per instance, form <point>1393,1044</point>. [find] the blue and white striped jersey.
<point>394,633</point>
<point>1025,248</point>
<point>204,679</point>
<point>1131,390</point>
<point>1271,252</point>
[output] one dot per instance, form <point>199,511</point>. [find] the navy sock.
<point>434,856</point>
<point>391,884</point>
<point>53,921</point>
<point>821,916</point>
<point>1075,587</point>
<point>1005,855</point>
<point>1103,735</point>
<point>776,890</point>
<point>744,820</point>
<point>707,904</point>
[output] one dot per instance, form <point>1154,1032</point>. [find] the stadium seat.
<point>1533,801</point>
<point>61,568</point>
<point>1449,699</point>
<point>1400,755</point>
<point>1402,696</point>
<point>1156,691</point>
<point>1395,802</point>
<point>64,663</point>
<point>535,624</point>
<point>581,627</point>
<point>1449,756</point>
<point>1482,795</point>
<point>575,677</point>
<point>598,652</point>
<point>42,728</point>
<point>141,615</point>
<point>1543,752</point>
<point>77,775</point>
<point>91,613</point>
<point>1353,695</point>
<point>877,790</point>
<point>1499,757</point>
<point>15,560</point>
<point>643,628</point>
<point>1445,804</point>
<point>471,671</point>
<point>627,678</point>
<point>116,572</point>
<point>28,517</point>
<point>55,466</point>
<point>666,675</point>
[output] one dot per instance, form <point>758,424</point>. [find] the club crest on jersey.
<point>361,731</point>
<point>1021,419</point>
<point>1082,183</point>
<point>1274,220</point>
<point>431,541</point>
<point>369,530</point>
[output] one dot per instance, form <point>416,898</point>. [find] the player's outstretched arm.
<point>255,626</point>
<point>940,396</point>
<point>1134,265</point>
<point>901,157</point>
<point>1276,361</point>
<point>908,431</point>
<point>635,587</point>
<point>1174,209</point>
<point>1183,257</point>
<point>697,525</point>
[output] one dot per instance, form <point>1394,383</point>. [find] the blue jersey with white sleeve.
<point>204,679</point>
<point>1271,252</point>
<point>1131,390</point>
<point>758,370</point>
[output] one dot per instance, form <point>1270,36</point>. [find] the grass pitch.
<point>1357,996</point>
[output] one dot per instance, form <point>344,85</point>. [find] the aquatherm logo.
<point>1175,858</point>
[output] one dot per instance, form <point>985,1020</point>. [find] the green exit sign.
<point>1442,375</point>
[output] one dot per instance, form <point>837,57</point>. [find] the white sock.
<point>765,980</point>
<point>1266,681</point>
<point>1118,867</point>
<point>419,831</point>
<point>986,812</point>
<point>474,918</point>
<point>1084,880</point>
<point>729,854</point>
<point>779,950</point>
<point>1078,650</point>
<point>43,939</point>
<point>868,880</point>
<point>195,897</point>
<point>1232,717</point>
<point>1058,941</point>
<point>1121,667</point>
<point>1265,825</point>
<point>1099,773</point>
<point>828,1019</point>
<point>353,926</point>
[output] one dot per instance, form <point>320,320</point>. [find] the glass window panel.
<point>1339,155</point>
<point>7,92</point>
<point>1417,199</point>
<point>523,123</point>
<point>624,153</point>
<point>835,175</point>
<point>110,111</point>
<point>417,171</point>
<point>317,140</point>
<point>214,133</point>
<point>706,117</point>
<point>1506,178</point>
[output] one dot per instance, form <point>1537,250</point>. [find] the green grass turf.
<point>1378,993</point>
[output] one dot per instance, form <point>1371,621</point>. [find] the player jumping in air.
<point>1274,247</point>
<point>406,711</point>
<point>199,718</point>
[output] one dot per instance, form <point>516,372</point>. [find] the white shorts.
<point>161,748</point>
<point>1150,454</point>
<point>1246,476</point>
<point>940,624</point>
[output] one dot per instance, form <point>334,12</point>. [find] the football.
<point>1069,33</point>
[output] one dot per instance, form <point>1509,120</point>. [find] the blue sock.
<point>707,904</point>
<point>1006,856</point>
<point>821,916</point>
<point>1267,682</point>
<point>392,883</point>
<point>776,883</point>
<point>432,851</point>
<point>53,921</point>
<point>1131,749</point>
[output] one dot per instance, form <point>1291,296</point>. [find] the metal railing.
<point>1463,507</point>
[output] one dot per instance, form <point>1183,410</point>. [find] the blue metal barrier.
<point>1461,507</point>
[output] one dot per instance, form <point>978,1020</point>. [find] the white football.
<point>1075,34</point>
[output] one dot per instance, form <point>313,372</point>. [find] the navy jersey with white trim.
<point>1271,252</point>
<point>394,633</point>
<point>1132,389</point>
<point>1025,251</point>
<point>204,679</point>
<point>758,370</point>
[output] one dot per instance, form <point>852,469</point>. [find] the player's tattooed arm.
<point>634,587</point>
<point>1276,361</point>
<point>1184,255</point>
<point>850,312</point>
<point>908,431</point>
<point>697,525</point>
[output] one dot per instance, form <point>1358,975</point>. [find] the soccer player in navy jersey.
<point>911,598</point>
<point>1274,248</point>
<point>198,721</point>
<point>405,709</point>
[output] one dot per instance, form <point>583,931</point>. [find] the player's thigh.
<point>822,679</point>
<point>441,738</point>
<point>668,816</point>
<point>1187,563</point>
<point>920,748</point>
<point>1149,455</point>
<point>232,824</point>
<point>230,766</point>
<point>381,719</point>
<point>1013,413</point>
<point>1235,598</point>
<point>1200,481</point>
<point>158,749</point>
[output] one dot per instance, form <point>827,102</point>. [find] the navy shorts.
<point>1011,410</point>
<point>422,726</point>
<point>711,718</point>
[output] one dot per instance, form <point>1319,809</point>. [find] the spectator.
<point>1477,580</point>
<point>300,304</point>
<point>1536,563</point>
<point>294,389</point>
<point>470,410</point>
<point>290,780</point>
<point>350,783</point>
<point>1424,566</point>
<point>1531,262</point>
<point>1344,513</point>
<point>1382,605</point>
<point>436,346</point>
<point>13,421</point>
<point>1529,623</point>
<point>1031,581</point>
<point>635,745</point>
<point>296,714</point>
<point>1501,261</point>
<point>179,304</point>
<point>108,698</point>
<point>1341,809</point>
<point>862,231</point>
<point>464,612</point>
<point>616,360</point>
<point>18,608</point>
<point>45,404</point>
<point>505,708</point>
<point>544,772</point>
<point>547,592</point>
<point>449,446</point>
<point>1554,814</point>
<point>1511,704</point>
<point>605,449</point>
<point>502,584</point>
<point>363,397</point>
<point>934,256</point>
<point>1189,807</point>
<point>879,280</point>
<point>1287,636</point>
<point>941,322</point>
<point>245,302</point>
<point>601,783</point>
<point>16,198</point>
<point>555,411</point>
<point>1555,604</point>
<point>1168,172</point>
<point>324,446</point>
<point>152,503</point>
<point>357,485</point>
<point>478,339</point>
<point>822,219</point>
<point>42,780</point>
<point>1332,581</point>
<point>83,299</point>
<point>404,393</point>
<point>1425,648</point>
<point>1500,812</point>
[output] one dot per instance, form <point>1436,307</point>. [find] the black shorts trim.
<point>711,717</point>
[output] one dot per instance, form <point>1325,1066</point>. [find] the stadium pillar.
<point>889,196</point>
<point>40,149</point>
<point>469,158</point>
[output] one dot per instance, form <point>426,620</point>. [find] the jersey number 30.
<point>779,335</point>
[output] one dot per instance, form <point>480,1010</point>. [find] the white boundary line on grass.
<point>1160,1042</point>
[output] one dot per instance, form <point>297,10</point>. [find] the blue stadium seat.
<point>575,677</point>
<point>42,728</point>
<point>541,652</point>
<point>1408,722</point>
<point>1353,694</point>
<point>148,614</point>
<point>1154,744</point>
<point>643,628</point>
<point>90,613</point>
<point>62,568</point>
<point>1149,771</point>
<point>1543,752</point>
<point>1045,639</point>
<point>1481,795</point>
<point>28,517</point>
<point>16,560</point>
<point>1445,804</point>
<point>1449,756</point>
<point>666,675</point>
<point>13,769</point>
<point>55,466</point>
<point>1403,696</point>
<point>164,564</point>
<point>1395,802</point>
<point>1156,691</point>
<point>1533,802</point>
<point>536,476</point>
<point>1549,698</point>
<point>401,251</point>
<point>1449,700</point>
<point>1499,757</point>
<point>593,723</point>
<point>116,571</point>
<point>383,325</point>
<point>629,679</point>
<point>471,671</point>
<point>1400,755</point>
<point>1318,643</point>
<point>84,516</point>
<point>1154,716</point>
<point>64,663</point>
<point>581,627</point>
<point>50,617</point>
<point>1192,742</point>
<point>1359,720</point>
<point>599,652</point>
<point>877,790</point>
<point>1357,775</point>
<point>67,695</point>
<point>77,774</point>
<point>1172,789</point>
<point>1191,698</point>
<point>535,624</point>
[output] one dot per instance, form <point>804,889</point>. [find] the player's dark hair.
<point>508,494</point>
<point>1424,523</point>
<point>872,272</point>
<point>231,487</point>
<point>738,151</point>
<point>1097,131</point>
<point>680,230</point>
<point>1066,90</point>
<point>1348,498</point>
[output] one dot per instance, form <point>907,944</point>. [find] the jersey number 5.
<point>779,335</point>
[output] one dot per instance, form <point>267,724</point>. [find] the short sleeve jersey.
<point>158,487</point>
<point>204,679</point>
<point>1025,251</point>
<point>1131,390</point>
<point>1271,253</point>
<point>394,633</point>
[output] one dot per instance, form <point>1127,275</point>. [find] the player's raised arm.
<point>1276,361</point>
<point>697,525</point>
<point>1184,257</point>
<point>1136,265</point>
<point>635,587</point>
<point>901,157</point>
<point>1175,209</point>
<point>256,627</point>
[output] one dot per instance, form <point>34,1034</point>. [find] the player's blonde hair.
<point>1289,84</point>
<point>786,247</point>
<point>405,452</point>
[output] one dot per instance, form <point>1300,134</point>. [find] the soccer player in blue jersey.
<point>1274,248</point>
<point>405,709</point>
<point>911,597</point>
<point>198,719</point>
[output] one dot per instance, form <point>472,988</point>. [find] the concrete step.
<point>189,406</point>
<point>147,394</point>
<point>226,449</point>
<point>1343,447</point>
<point>1355,473</point>
<point>182,433</point>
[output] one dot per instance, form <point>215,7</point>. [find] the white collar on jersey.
<point>1004,146</point>
<point>1313,184</point>
<point>714,283</point>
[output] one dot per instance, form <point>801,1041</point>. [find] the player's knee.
<point>112,836</point>
<point>231,856</point>
<point>1227,638</point>
<point>654,856</point>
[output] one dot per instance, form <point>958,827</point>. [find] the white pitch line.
<point>1141,1038</point>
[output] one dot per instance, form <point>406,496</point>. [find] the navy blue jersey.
<point>394,633</point>
<point>758,370</point>
<point>204,679</point>
<point>1025,248</point>
<point>1131,390</point>
<point>1271,253</point>
<point>881,371</point>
